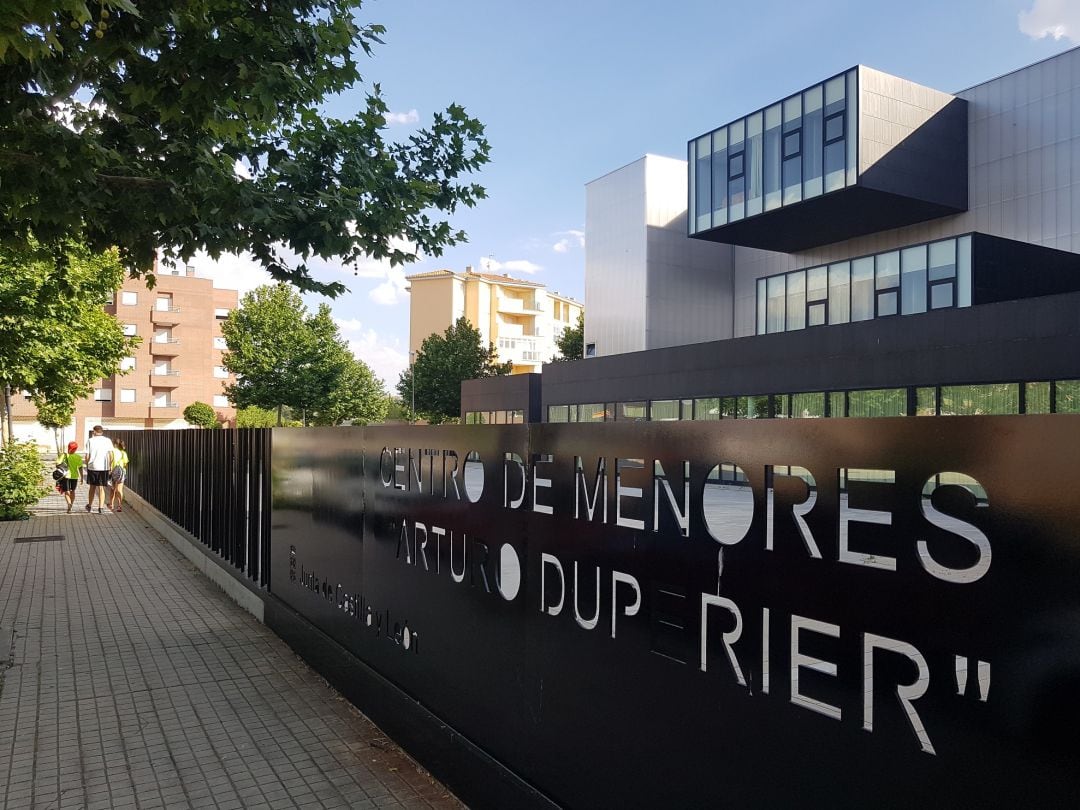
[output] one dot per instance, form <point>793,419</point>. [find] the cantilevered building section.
<point>873,247</point>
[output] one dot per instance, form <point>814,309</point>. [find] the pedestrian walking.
<point>118,475</point>
<point>99,464</point>
<point>70,463</point>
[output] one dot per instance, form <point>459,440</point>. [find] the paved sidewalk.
<point>129,681</point>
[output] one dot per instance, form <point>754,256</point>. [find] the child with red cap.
<point>71,464</point>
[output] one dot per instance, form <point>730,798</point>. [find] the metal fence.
<point>188,474</point>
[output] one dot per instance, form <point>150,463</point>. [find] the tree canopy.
<point>56,340</point>
<point>441,365</point>
<point>201,415</point>
<point>285,357</point>
<point>188,126</point>
<point>571,343</point>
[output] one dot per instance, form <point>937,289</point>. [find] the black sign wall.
<point>739,614</point>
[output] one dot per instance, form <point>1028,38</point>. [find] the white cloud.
<point>231,272</point>
<point>570,239</point>
<point>387,359</point>
<point>348,324</point>
<point>1059,19</point>
<point>489,265</point>
<point>393,291</point>
<point>410,117</point>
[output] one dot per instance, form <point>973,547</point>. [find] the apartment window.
<point>160,399</point>
<point>128,298</point>
<point>103,395</point>
<point>219,343</point>
<point>129,330</point>
<point>127,394</point>
<point>110,299</point>
<point>221,401</point>
<point>221,313</point>
<point>220,373</point>
<point>127,364</point>
<point>164,302</point>
<point>590,350</point>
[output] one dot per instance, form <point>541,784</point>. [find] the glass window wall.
<point>664,410</point>
<point>794,150</point>
<point>907,281</point>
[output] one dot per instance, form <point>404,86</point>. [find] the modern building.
<point>863,247</point>
<point>177,363</point>
<point>522,319</point>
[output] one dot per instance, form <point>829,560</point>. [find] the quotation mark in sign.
<point>983,674</point>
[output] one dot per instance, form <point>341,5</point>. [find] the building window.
<point>130,330</point>
<point>219,343</point>
<point>558,413</point>
<point>934,275</point>
<point>590,350</point>
<point>220,373</point>
<point>664,410</point>
<point>221,313</point>
<point>164,302</point>
<point>127,394</point>
<point>221,401</point>
<point>103,395</point>
<point>128,298</point>
<point>127,364</point>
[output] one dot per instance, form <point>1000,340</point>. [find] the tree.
<point>55,415</point>
<point>201,415</point>
<point>359,398</point>
<point>441,365</point>
<point>285,358</point>
<point>571,343</point>
<point>206,130</point>
<point>255,417</point>
<point>56,341</point>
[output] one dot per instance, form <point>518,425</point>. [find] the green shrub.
<point>21,480</point>
<point>201,415</point>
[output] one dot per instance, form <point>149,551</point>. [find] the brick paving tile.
<point>127,680</point>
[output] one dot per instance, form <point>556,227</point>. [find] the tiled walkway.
<point>129,681</point>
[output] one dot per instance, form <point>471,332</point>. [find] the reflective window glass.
<point>630,412</point>
<point>771,158</point>
<point>941,295</point>
<point>836,404</point>
<point>879,402</point>
<point>852,138</point>
<point>792,143</point>
<point>834,127</point>
<point>729,408</point>
<point>774,317</point>
<point>792,168</point>
<point>808,406</point>
<point>888,269</point>
<point>979,400</point>
<point>707,409</point>
<point>796,301</point>
<point>781,406</point>
<point>812,142</point>
<point>517,417</point>
<point>886,304</point>
<point>815,315</point>
<point>735,165</point>
<point>591,412</point>
<point>817,283</point>
<point>664,410</point>
<point>737,180</point>
<point>862,289</point>
<point>687,409</point>
<point>753,161</point>
<point>1037,397</point>
<point>574,413</point>
<point>913,280</point>
<point>926,401</point>
<point>719,177</point>
<point>840,292</point>
<point>963,271</point>
<point>1067,396</point>
<point>703,175</point>
<point>558,413</point>
<point>942,260</point>
<point>753,407</point>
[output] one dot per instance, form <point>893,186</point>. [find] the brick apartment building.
<point>178,362</point>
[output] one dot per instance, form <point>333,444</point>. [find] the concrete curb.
<point>197,554</point>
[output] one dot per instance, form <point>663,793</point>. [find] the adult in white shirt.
<point>99,463</point>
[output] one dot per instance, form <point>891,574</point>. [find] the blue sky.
<point>569,91</point>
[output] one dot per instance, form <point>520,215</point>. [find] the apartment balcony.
<point>165,316</point>
<point>165,379</point>
<point>165,347</point>
<point>157,406</point>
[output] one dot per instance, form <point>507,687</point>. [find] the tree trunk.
<point>279,415</point>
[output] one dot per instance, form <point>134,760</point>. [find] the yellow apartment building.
<point>521,318</point>
<point>178,362</point>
